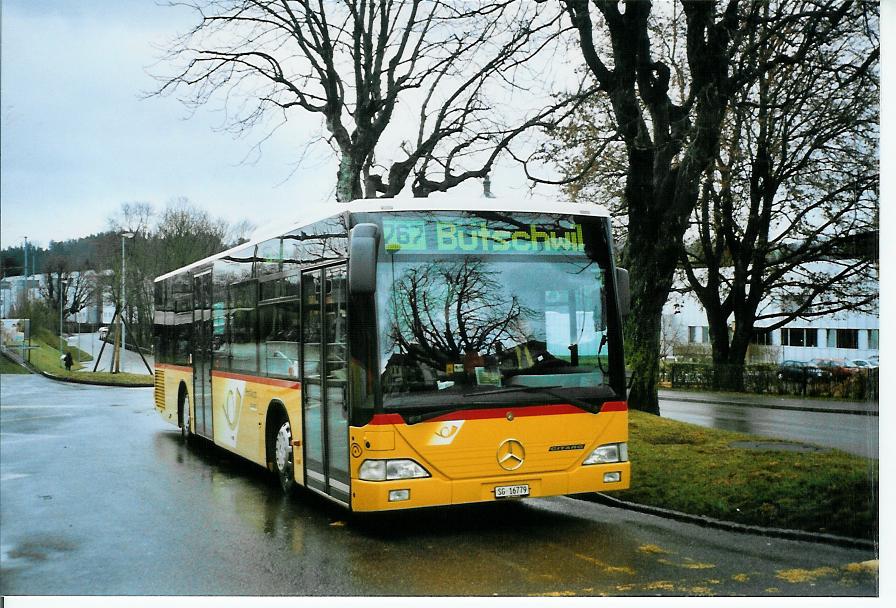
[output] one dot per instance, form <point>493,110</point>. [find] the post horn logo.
<point>232,406</point>
<point>511,455</point>
<point>447,431</point>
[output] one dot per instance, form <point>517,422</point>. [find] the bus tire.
<point>184,413</point>
<point>283,456</point>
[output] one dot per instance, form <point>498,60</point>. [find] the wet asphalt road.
<point>853,433</point>
<point>98,495</point>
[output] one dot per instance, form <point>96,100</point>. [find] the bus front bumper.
<point>433,491</point>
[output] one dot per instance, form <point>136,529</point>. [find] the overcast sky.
<point>79,137</point>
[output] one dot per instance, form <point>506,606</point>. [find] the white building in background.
<point>844,335</point>
<point>14,290</point>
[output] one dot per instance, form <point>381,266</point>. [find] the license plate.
<point>512,491</point>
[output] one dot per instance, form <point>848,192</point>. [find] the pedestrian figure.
<point>68,361</point>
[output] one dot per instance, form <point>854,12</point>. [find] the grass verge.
<point>695,470</point>
<point>8,366</point>
<point>45,336</point>
<point>46,359</point>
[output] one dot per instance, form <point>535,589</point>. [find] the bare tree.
<point>669,141</point>
<point>162,241</point>
<point>71,290</point>
<point>187,233</point>
<point>137,217</point>
<point>445,67</point>
<point>668,77</point>
<point>785,226</point>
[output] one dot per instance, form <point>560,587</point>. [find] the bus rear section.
<point>487,455</point>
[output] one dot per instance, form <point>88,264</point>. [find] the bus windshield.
<point>485,308</point>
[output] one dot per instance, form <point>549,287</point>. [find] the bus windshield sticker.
<point>491,377</point>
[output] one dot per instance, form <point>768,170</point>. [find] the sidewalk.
<point>91,343</point>
<point>831,406</point>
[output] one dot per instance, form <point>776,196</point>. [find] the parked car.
<point>861,364</point>
<point>800,371</point>
<point>836,368</point>
<point>104,331</point>
<point>874,360</point>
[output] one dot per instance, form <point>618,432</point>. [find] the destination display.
<point>465,235</point>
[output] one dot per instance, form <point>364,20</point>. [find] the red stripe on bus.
<point>179,368</point>
<point>614,406</point>
<point>501,412</point>
<point>257,379</point>
<point>386,419</point>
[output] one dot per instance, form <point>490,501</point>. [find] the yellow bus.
<point>400,354</point>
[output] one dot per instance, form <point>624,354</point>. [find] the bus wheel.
<point>283,462</point>
<point>185,416</point>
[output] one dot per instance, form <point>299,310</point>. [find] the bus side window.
<point>243,340</point>
<point>278,337</point>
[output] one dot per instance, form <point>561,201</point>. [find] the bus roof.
<point>412,204</point>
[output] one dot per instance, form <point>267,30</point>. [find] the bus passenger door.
<point>202,351</point>
<point>324,382</point>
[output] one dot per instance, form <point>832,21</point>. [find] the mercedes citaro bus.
<point>399,354</point>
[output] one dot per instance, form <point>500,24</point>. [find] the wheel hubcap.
<point>283,448</point>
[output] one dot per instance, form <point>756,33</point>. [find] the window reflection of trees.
<point>449,310</point>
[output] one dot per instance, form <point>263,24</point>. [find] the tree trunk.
<point>348,179</point>
<point>650,284</point>
<point>643,337</point>
<point>727,372</point>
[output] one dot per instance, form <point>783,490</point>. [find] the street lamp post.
<point>25,271</point>
<point>25,300</point>
<point>122,347</point>
<point>61,308</point>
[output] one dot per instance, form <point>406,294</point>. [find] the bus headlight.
<point>388,470</point>
<point>610,452</point>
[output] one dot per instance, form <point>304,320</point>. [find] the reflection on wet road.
<point>853,433</point>
<point>99,499</point>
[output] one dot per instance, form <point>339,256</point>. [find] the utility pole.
<point>121,330</point>
<point>61,309</point>
<point>25,270</point>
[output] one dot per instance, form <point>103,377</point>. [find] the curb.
<point>771,406</point>
<point>91,382</point>
<point>709,522</point>
<point>50,376</point>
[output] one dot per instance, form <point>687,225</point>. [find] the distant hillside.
<point>82,254</point>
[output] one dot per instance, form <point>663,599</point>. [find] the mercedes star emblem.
<point>511,455</point>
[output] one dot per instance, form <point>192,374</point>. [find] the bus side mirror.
<point>623,292</point>
<point>362,244</point>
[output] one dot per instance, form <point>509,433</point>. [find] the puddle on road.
<point>11,476</point>
<point>34,550</point>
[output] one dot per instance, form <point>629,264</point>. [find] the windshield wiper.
<point>414,419</point>
<point>547,390</point>
<point>525,388</point>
